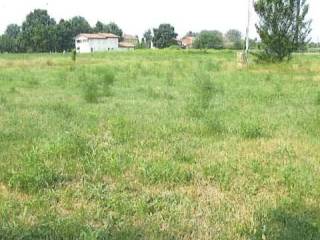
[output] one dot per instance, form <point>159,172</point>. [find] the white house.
<point>96,42</point>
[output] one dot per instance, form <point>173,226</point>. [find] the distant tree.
<point>282,27</point>
<point>234,37</point>
<point>10,41</point>
<point>13,31</point>
<point>209,39</point>
<point>64,36</point>
<point>147,37</point>
<point>7,44</point>
<point>79,25</point>
<point>164,36</point>
<point>302,27</point>
<point>113,28</point>
<point>99,27</point>
<point>37,31</point>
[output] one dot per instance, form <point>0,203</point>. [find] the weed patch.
<point>251,130</point>
<point>165,172</point>
<point>34,175</point>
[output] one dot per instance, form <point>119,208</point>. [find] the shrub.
<point>205,90</point>
<point>91,92</point>
<point>74,55</point>
<point>99,85</point>
<point>107,80</point>
<point>209,39</point>
<point>175,47</point>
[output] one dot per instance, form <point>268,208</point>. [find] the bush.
<point>209,39</point>
<point>204,92</point>
<point>99,85</point>
<point>74,55</point>
<point>91,92</point>
<point>175,47</point>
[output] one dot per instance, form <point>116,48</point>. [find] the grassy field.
<point>159,145</point>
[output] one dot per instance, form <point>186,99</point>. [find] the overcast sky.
<point>135,16</point>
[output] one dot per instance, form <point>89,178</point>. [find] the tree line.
<point>165,36</point>
<point>283,28</point>
<point>41,33</point>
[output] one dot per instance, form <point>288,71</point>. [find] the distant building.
<point>103,42</point>
<point>187,41</point>
<point>126,46</point>
<point>130,39</point>
<point>96,42</point>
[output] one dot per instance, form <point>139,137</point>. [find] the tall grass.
<point>155,144</point>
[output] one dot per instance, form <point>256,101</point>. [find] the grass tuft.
<point>165,172</point>
<point>251,130</point>
<point>34,175</point>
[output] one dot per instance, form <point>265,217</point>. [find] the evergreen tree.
<point>282,27</point>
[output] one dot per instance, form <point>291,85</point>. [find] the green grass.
<point>159,145</point>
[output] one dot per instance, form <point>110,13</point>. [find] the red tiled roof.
<point>97,35</point>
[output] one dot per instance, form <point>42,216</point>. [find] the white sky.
<point>135,16</point>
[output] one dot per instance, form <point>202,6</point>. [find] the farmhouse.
<point>187,42</point>
<point>131,39</point>
<point>97,42</point>
<point>102,42</point>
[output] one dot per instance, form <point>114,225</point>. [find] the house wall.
<point>84,45</point>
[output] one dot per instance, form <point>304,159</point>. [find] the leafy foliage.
<point>282,27</point>
<point>234,38</point>
<point>164,36</point>
<point>108,28</point>
<point>40,33</point>
<point>209,39</point>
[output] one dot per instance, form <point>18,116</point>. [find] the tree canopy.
<point>40,33</point>
<point>234,38</point>
<point>209,39</point>
<point>164,36</point>
<point>282,27</point>
<point>37,31</point>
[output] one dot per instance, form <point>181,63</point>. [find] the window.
<point>78,41</point>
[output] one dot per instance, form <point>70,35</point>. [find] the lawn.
<point>159,145</point>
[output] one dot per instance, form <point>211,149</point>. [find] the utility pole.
<point>248,31</point>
